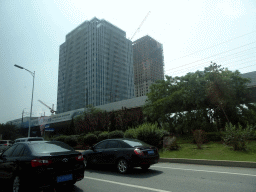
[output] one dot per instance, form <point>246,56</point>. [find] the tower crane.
<point>51,109</point>
<point>140,25</point>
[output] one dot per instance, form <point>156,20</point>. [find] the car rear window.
<point>35,139</point>
<point>50,147</point>
<point>135,143</point>
<point>3,142</point>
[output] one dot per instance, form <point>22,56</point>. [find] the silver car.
<point>25,139</point>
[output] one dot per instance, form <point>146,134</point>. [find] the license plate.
<point>151,152</point>
<point>64,178</point>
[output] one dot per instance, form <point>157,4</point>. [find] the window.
<point>49,147</point>
<point>17,151</point>
<point>113,144</point>
<point>9,151</point>
<point>101,145</point>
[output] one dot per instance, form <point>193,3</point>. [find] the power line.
<point>217,60</point>
<point>248,66</point>
<point>225,66</point>
<point>237,53</point>
<point>213,55</point>
<point>213,46</point>
<point>231,64</point>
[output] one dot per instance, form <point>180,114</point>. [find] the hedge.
<point>116,134</point>
<point>131,133</point>
<point>103,136</point>
<point>90,139</point>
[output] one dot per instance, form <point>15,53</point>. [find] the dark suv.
<point>40,164</point>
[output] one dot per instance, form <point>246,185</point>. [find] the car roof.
<point>30,138</point>
<point>34,142</point>
<point>121,139</point>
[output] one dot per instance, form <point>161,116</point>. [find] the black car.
<point>124,153</point>
<point>37,165</point>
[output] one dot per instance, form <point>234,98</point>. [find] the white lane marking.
<point>128,185</point>
<point>205,171</point>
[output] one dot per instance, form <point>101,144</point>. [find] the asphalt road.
<point>168,177</point>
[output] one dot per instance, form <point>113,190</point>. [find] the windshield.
<point>36,139</point>
<point>50,147</point>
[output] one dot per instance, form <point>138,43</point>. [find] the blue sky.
<point>193,34</point>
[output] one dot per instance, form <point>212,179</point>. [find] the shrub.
<point>131,133</point>
<point>97,133</point>
<point>116,134</point>
<point>90,139</point>
<point>149,133</point>
<point>237,136</point>
<point>164,132</point>
<point>60,138</point>
<point>103,136</point>
<point>71,140</point>
<point>199,136</point>
<point>80,139</point>
<point>170,143</point>
<point>252,131</point>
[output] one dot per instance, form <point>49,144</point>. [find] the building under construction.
<point>148,64</point>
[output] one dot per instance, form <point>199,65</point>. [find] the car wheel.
<point>145,167</point>
<point>122,166</point>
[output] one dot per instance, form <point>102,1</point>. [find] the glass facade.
<point>95,66</point>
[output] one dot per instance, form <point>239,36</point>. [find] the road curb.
<point>225,163</point>
<point>245,164</point>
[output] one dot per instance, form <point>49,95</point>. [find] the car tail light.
<point>5,144</point>
<point>138,152</point>
<point>40,162</point>
<point>80,158</point>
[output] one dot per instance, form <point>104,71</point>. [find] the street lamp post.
<point>33,75</point>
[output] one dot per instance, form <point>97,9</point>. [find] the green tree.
<point>89,120</point>
<point>198,99</point>
<point>70,130</point>
<point>9,132</point>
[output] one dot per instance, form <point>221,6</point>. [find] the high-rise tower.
<point>95,66</point>
<point>148,63</point>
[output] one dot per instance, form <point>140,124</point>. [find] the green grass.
<point>211,151</point>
